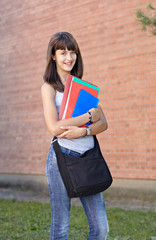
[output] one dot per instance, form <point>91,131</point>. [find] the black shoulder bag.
<point>84,175</point>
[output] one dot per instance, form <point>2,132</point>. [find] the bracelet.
<point>90,116</point>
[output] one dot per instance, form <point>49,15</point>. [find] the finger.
<point>64,134</point>
<point>61,135</point>
<point>62,127</point>
<point>68,127</point>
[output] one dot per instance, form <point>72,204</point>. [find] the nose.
<point>69,56</point>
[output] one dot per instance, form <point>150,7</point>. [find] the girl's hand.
<point>72,132</point>
<point>95,114</point>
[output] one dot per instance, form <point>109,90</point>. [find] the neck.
<point>63,76</point>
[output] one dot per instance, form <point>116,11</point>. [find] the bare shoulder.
<point>47,89</point>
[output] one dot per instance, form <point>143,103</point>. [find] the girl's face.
<point>65,60</point>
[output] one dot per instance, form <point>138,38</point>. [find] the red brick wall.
<point>118,57</point>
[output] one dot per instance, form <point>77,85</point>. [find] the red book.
<point>65,95</point>
<point>74,93</point>
<point>71,93</point>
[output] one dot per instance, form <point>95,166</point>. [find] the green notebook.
<point>86,84</point>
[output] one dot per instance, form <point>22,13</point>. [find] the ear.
<point>53,57</point>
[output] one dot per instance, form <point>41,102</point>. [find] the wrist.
<point>84,131</point>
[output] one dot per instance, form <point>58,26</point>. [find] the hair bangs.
<point>65,41</point>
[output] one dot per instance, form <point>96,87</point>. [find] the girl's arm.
<point>101,125</point>
<point>96,127</point>
<point>51,115</point>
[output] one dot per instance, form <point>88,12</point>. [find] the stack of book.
<point>78,98</point>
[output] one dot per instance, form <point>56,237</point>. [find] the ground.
<point>125,199</point>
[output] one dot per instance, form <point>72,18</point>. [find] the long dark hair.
<point>61,40</point>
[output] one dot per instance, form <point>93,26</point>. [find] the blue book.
<point>84,103</point>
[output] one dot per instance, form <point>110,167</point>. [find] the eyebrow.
<point>65,50</point>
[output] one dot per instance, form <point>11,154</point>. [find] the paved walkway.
<point>115,198</point>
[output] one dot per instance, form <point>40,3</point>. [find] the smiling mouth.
<point>69,64</point>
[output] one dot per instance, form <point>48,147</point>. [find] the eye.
<point>73,53</point>
<point>63,51</point>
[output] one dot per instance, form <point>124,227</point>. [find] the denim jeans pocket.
<point>70,152</point>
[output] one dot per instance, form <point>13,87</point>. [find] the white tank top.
<point>81,144</point>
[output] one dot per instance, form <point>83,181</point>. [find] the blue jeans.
<point>93,205</point>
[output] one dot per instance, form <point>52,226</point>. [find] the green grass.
<point>30,221</point>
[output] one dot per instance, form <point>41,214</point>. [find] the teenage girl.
<point>63,58</point>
